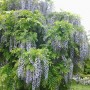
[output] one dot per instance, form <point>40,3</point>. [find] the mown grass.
<point>76,86</point>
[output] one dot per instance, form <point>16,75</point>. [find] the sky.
<point>80,7</point>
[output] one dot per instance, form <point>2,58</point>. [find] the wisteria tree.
<point>39,50</point>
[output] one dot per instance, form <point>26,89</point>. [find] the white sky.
<point>80,7</point>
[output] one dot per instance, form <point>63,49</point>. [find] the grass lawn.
<point>80,87</point>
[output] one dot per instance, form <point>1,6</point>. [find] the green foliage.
<point>64,15</point>
<point>64,29</point>
<point>9,5</point>
<point>78,68</point>
<point>7,77</point>
<point>87,66</point>
<point>75,86</point>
